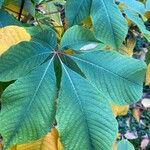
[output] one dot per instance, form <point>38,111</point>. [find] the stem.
<point>21,9</point>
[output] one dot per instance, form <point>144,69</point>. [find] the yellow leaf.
<point>60,147</point>
<point>49,142</point>
<point>14,9</point>
<point>59,29</point>
<point>147,14</point>
<point>148,75</point>
<point>88,22</point>
<point>114,146</point>
<point>11,35</point>
<point>129,21</point>
<point>120,110</point>
<point>69,52</point>
<point>1,145</point>
<point>128,47</point>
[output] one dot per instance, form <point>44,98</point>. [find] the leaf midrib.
<point>109,20</point>
<point>79,102</point>
<point>101,67</point>
<point>14,64</point>
<point>82,2</point>
<point>22,117</point>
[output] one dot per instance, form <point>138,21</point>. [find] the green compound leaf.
<point>77,11</point>
<point>28,106</point>
<point>85,120</point>
<point>119,77</point>
<point>110,26</point>
<point>134,17</point>
<point>125,145</point>
<point>80,37</point>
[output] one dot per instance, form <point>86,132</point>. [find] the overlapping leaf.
<point>125,145</point>
<point>28,106</point>
<point>80,37</point>
<point>120,110</point>
<point>84,117</point>
<point>117,76</point>
<point>77,11</point>
<point>148,5</point>
<point>109,25</point>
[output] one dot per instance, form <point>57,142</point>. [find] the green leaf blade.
<point>138,21</point>
<point>109,25</point>
<point>85,120</point>
<point>9,21</point>
<point>134,5</point>
<point>21,59</point>
<point>77,11</point>
<point>80,37</point>
<point>50,40</point>
<point>120,78</point>
<point>125,145</point>
<point>28,106</point>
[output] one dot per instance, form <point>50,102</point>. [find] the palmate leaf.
<point>77,11</point>
<point>22,58</point>
<point>80,37</point>
<point>30,106</point>
<point>109,25</point>
<point>118,77</point>
<point>84,117</point>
